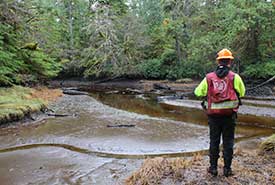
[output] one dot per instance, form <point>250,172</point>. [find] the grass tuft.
<point>17,102</point>
<point>268,145</point>
<point>153,171</point>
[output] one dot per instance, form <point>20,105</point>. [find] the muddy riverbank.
<point>81,149</point>
<point>146,86</point>
<point>94,143</point>
<point>129,86</point>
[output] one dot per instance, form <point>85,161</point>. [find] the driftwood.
<point>112,92</point>
<point>135,91</point>
<point>262,84</point>
<point>74,92</point>
<point>105,80</point>
<point>70,88</point>
<point>163,98</point>
<point>160,86</point>
<point>58,115</point>
<point>261,91</point>
<point>120,126</point>
<point>183,95</point>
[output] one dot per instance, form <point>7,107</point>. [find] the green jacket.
<point>202,88</point>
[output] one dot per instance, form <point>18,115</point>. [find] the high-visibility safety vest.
<point>222,98</point>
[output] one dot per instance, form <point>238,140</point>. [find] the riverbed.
<point>106,137</point>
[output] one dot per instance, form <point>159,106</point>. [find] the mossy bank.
<point>17,102</point>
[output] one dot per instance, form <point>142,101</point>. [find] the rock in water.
<point>161,86</point>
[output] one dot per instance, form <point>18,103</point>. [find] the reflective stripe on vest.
<point>224,105</point>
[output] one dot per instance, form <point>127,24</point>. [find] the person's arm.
<point>202,89</point>
<point>239,85</point>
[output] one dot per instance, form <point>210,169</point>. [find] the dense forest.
<point>155,39</point>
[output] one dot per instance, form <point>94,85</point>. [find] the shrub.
<point>152,69</point>
<point>22,64</point>
<point>184,70</point>
<point>260,70</point>
<point>9,63</point>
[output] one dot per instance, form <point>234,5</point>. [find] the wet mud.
<point>82,149</point>
<point>88,129</point>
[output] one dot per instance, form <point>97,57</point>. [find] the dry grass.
<point>46,94</point>
<point>249,168</point>
<point>17,102</point>
<point>153,171</point>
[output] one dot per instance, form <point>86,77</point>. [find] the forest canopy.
<point>155,39</point>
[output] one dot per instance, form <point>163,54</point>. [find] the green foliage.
<point>22,61</point>
<point>16,63</point>
<point>260,70</point>
<point>160,69</point>
<point>114,47</point>
<point>9,63</point>
<point>168,56</point>
<point>72,69</point>
<point>15,103</point>
<point>40,64</point>
<point>184,70</point>
<point>153,69</point>
<point>150,38</point>
<point>237,25</point>
<point>149,13</point>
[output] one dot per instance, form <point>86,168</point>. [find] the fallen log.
<point>260,91</point>
<point>70,88</point>
<point>58,115</point>
<point>74,92</point>
<point>106,80</point>
<point>262,84</point>
<point>160,86</point>
<point>134,91</point>
<point>120,126</point>
<point>112,92</point>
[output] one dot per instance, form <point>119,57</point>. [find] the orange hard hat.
<point>225,54</point>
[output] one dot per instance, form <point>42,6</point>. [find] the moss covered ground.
<point>268,145</point>
<point>16,102</point>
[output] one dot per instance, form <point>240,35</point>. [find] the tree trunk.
<point>70,11</point>
<point>178,49</point>
<point>177,42</point>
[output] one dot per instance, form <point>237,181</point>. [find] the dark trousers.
<point>221,126</point>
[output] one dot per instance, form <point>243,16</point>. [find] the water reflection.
<point>247,124</point>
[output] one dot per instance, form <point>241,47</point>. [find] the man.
<point>223,89</point>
